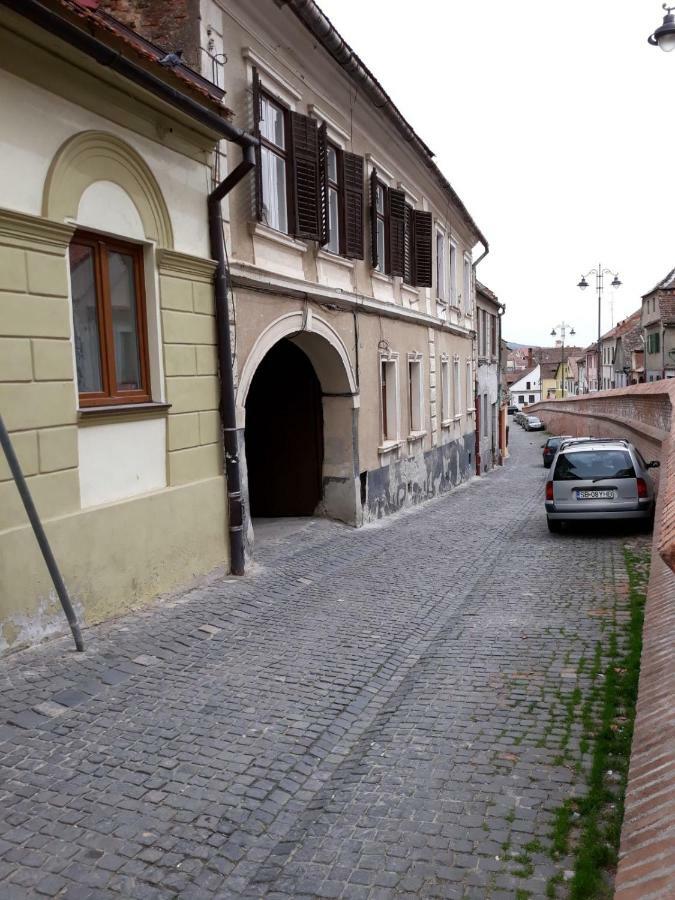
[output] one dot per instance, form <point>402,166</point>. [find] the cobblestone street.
<point>371,713</point>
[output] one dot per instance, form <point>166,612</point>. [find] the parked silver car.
<point>594,479</point>
<point>533,423</point>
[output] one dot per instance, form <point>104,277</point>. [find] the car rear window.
<point>552,443</point>
<point>589,464</point>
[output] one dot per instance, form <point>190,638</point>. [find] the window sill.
<point>335,258</point>
<point>89,414</point>
<point>380,276</point>
<point>457,418</point>
<point>388,446</point>
<point>257,229</point>
<point>446,423</point>
<point>416,436</point>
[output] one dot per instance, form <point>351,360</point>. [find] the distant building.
<point>658,324</point>
<point>526,389</point>
<point>488,310</point>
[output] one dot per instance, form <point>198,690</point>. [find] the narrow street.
<point>370,714</point>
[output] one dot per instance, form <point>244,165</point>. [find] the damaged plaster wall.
<point>412,480</point>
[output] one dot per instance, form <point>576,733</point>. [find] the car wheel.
<point>554,525</point>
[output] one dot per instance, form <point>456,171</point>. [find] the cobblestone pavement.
<point>370,714</point>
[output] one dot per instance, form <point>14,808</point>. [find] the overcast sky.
<point>553,123</point>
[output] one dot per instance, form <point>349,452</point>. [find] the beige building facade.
<point>355,309</point>
<point>108,380</point>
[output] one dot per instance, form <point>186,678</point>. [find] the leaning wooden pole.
<point>40,535</point>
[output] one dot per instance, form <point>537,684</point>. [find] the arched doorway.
<point>284,435</point>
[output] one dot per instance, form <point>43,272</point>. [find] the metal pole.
<point>40,535</point>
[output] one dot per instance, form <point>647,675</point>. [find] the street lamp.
<point>664,37</point>
<point>563,326</point>
<point>600,286</point>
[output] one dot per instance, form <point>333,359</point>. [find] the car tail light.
<point>642,487</point>
<point>549,490</point>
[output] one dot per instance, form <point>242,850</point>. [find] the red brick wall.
<point>643,414</point>
<point>172,24</point>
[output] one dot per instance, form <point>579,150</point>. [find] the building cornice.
<point>169,262</point>
<point>26,231</point>
<point>253,278</point>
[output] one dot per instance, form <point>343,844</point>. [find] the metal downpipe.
<point>228,411</point>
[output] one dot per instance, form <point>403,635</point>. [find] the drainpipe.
<point>228,412</point>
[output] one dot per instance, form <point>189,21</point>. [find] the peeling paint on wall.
<point>47,621</point>
<point>420,477</point>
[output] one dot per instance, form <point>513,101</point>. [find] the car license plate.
<point>595,495</point>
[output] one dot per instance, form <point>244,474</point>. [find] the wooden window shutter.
<point>306,177</point>
<point>409,246</point>
<point>256,131</point>
<point>352,179</point>
<point>423,250</point>
<point>373,219</point>
<point>397,206</point>
<point>323,186</point>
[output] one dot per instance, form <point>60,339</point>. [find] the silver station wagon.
<point>599,480</point>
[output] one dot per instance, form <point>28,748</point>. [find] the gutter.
<point>45,18</point>
<point>333,42</point>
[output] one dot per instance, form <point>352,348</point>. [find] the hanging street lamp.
<point>664,37</point>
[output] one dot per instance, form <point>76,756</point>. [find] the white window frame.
<point>456,389</point>
<point>416,395</point>
<point>467,285</point>
<point>392,437</point>
<point>470,399</point>
<point>445,390</point>
<point>452,269</point>
<point>441,274</point>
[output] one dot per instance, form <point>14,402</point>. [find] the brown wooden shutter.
<point>409,246</point>
<point>256,131</point>
<point>306,177</point>
<point>324,217</point>
<point>373,219</point>
<point>396,232</point>
<point>352,179</point>
<point>423,252</point>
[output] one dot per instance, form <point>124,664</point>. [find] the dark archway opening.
<point>284,435</point>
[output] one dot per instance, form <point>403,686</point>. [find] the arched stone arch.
<point>319,340</point>
<point>93,156</point>
<point>340,403</point>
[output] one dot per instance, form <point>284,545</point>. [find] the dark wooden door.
<point>284,435</point>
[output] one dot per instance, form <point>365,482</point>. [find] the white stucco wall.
<point>121,459</point>
<point>35,123</point>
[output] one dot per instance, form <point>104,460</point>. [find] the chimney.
<point>530,359</point>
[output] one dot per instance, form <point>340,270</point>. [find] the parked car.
<point>533,423</point>
<point>594,479</point>
<point>550,448</point>
<point>512,410</point>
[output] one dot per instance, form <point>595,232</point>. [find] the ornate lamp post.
<point>563,326</point>
<point>664,37</point>
<point>600,273</point>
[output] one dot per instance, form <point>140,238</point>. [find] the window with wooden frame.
<point>467,286</point>
<point>445,390</point>
<point>440,267</point>
<point>273,167</point>
<point>456,389</point>
<point>389,399</point>
<point>378,224</point>
<point>453,274</point>
<point>334,200</point>
<point>415,394</point>
<point>110,322</point>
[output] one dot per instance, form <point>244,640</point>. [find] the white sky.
<point>553,123</point>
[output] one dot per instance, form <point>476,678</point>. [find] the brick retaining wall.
<point>643,414</point>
